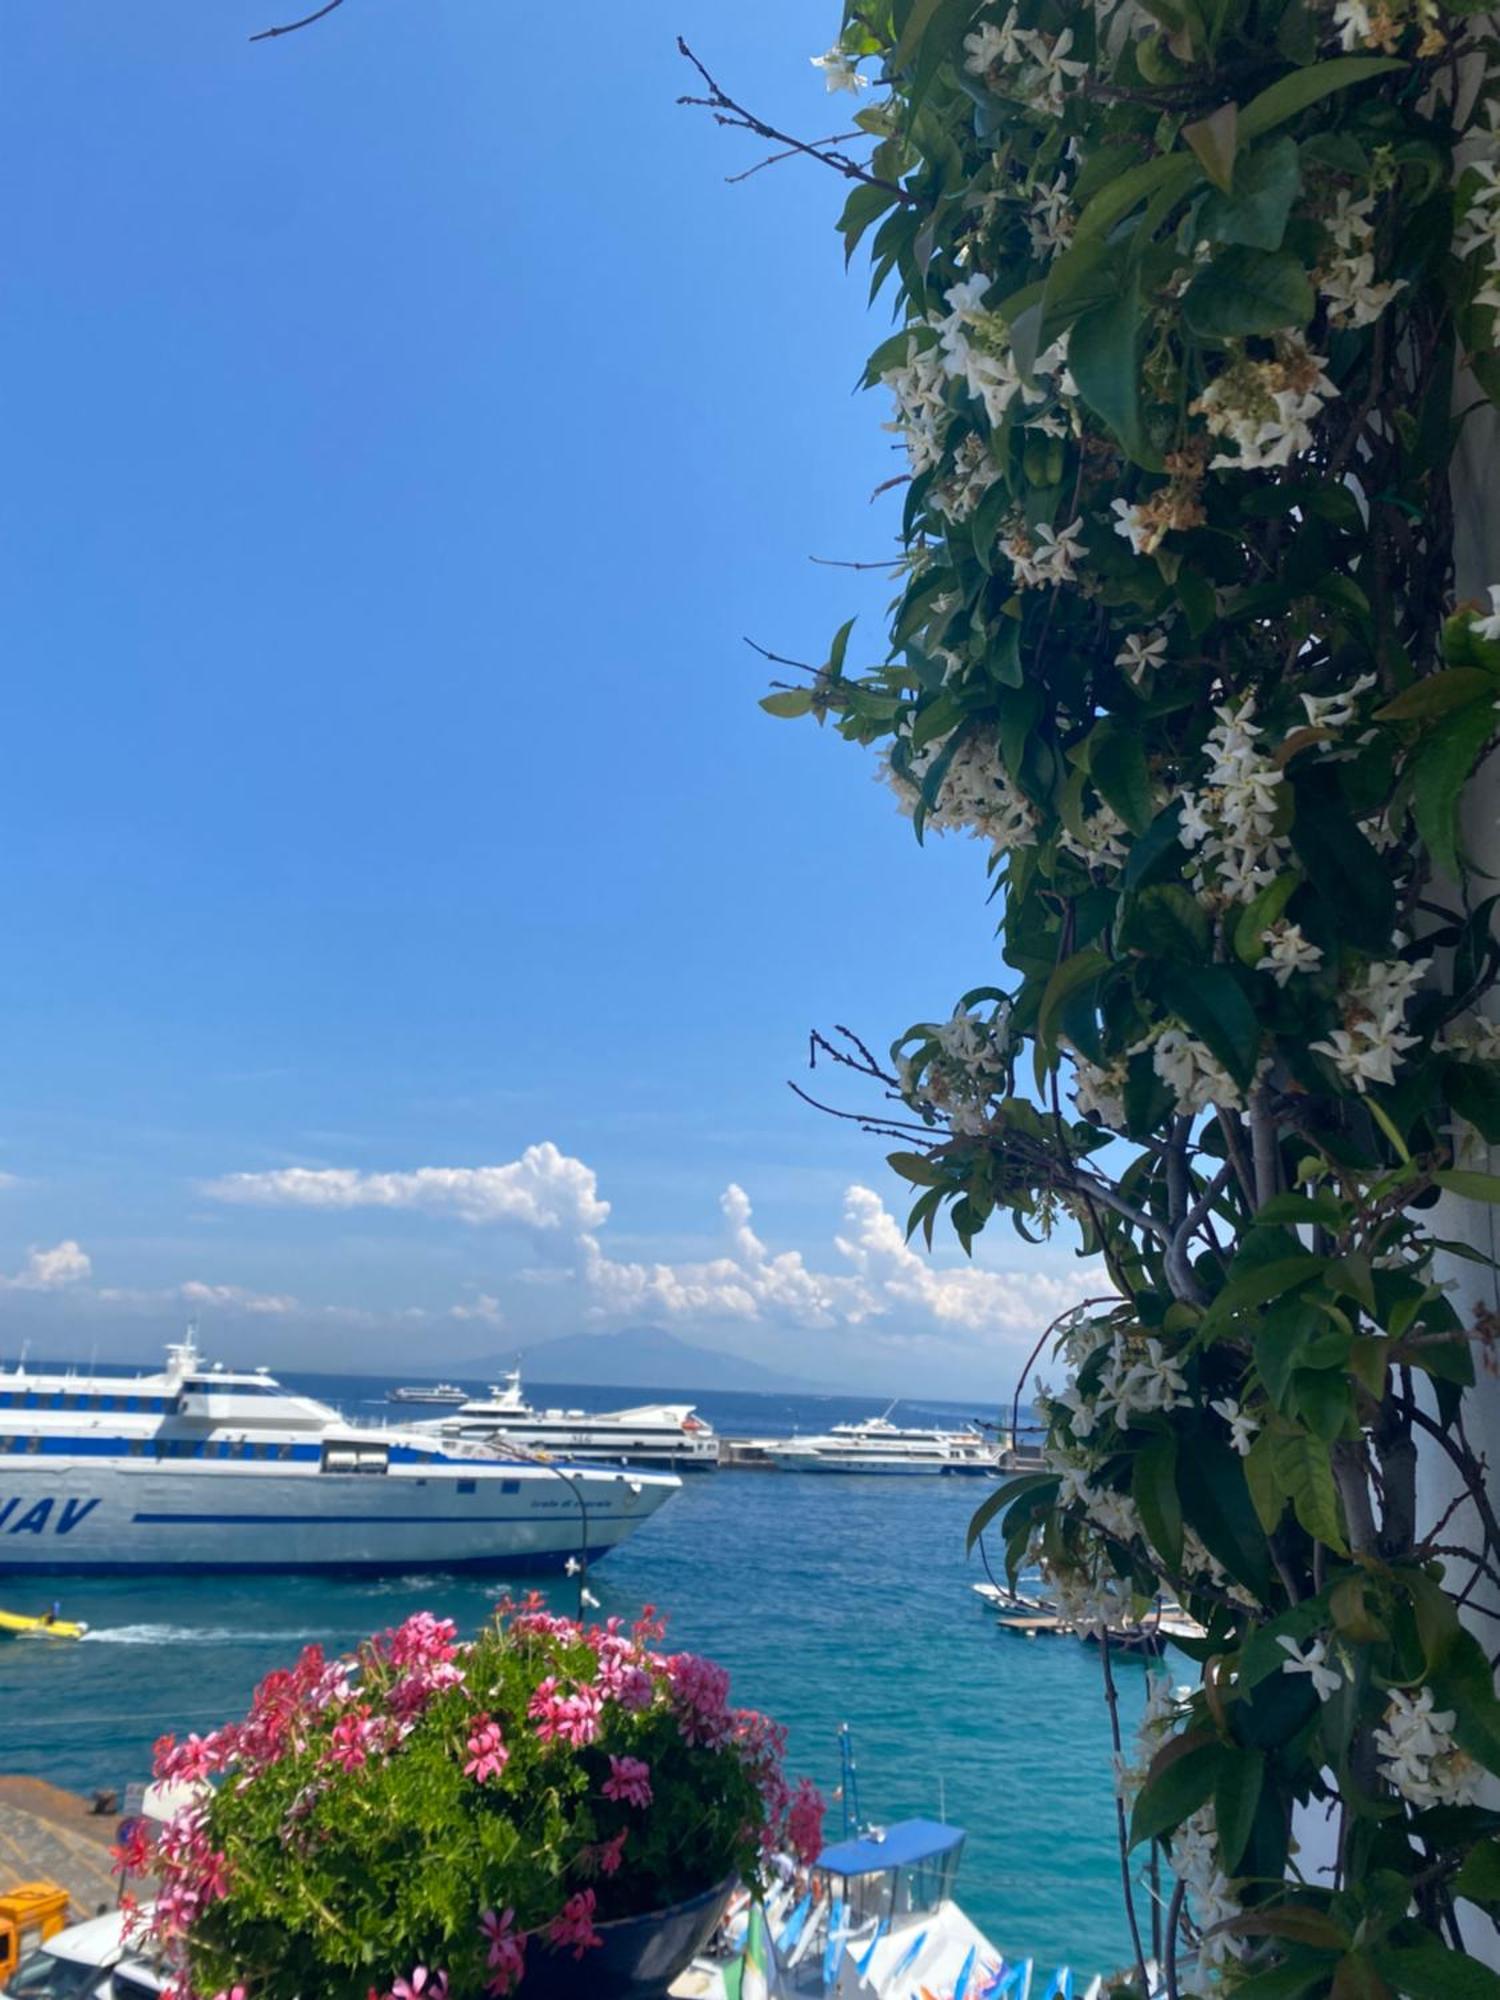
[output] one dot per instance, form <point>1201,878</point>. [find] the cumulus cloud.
<point>882,1277</point>
<point>49,1270</point>
<point>544,1189</point>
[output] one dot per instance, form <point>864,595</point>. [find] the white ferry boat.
<point>200,1468</point>
<point>876,1445</point>
<point>435,1392</point>
<point>669,1436</point>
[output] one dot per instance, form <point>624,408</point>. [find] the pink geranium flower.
<point>629,1782</point>
<point>565,1718</point>
<point>507,1960</point>
<point>488,1755</point>
<point>573,1926</point>
<point>804,1823</point>
<point>423,1985</point>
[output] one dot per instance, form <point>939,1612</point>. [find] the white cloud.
<point>234,1298</point>
<point>884,1277</point>
<point>48,1270</point>
<point>544,1189</point>
<point>484,1307</point>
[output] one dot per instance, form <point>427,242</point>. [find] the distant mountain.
<point>638,1357</point>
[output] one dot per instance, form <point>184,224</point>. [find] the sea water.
<point>831,1600</point>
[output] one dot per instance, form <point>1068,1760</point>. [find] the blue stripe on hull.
<point>469,1520</point>
<point>552,1562</point>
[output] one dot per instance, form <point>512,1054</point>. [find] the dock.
<point>49,1835</point>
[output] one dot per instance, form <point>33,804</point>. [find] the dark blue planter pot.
<point>639,1959</point>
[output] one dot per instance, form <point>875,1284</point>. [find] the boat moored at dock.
<point>203,1468</point>
<point>878,1446</point>
<point>667,1437</point>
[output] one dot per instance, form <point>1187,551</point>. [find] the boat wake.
<point>190,1635</point>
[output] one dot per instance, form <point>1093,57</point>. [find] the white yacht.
<point>876,1445</point>
<point>434,1392</point>
<point>669,1436</point>
<point>204,1468</point>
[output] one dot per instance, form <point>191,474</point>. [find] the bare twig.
<point>727,112</point>
<point>291,27</point>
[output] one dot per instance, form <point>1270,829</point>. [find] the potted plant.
<point>546,1807</point>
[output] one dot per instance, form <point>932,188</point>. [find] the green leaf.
<point>794,701</point>
<point>1158,851</point>
<point>1473,1091</point>
<point>1258,916</point>
<point>1479,1878</point>
<point>1215,139</point>
<point>1260,1476</point>
<point>1352,878</point>
<point>1304,1472</point>
<point>1153,1487</point>
<point>1167,174</point>
<point>1236,1797</point>
<point>1210,1002</point>
<point>1104,359</point>
<point>995,1503</point>
<point>1305,87</point>
<point>1254,209</point>
<point>1165,920</point>
<point>1248,291</point>
<point>1432,1972</point>
<point>1296,1209</point>
<point>864,206</point>
<point>1438,773</point>
<point>1066,979</point>
<point>1291,1923</point>
<point>1472,1186</point>
<point>1175,1793</point>
<point>1216,1505</point>
<point>1264,1281</point>
<point>1117,765</point>
<point>1436,694</point>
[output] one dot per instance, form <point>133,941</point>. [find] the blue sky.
<point>405,424</point>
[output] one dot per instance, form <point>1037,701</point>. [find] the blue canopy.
<point>910,1840</point>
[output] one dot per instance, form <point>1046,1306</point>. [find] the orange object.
<point>38,1907</point>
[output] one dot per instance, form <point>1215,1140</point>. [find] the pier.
<point>50,1835</point>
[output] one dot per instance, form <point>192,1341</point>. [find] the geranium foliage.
<point>1190,297</point>
<point>427,1819</point>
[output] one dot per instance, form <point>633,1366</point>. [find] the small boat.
<point>16,1625</point>
<point>1033,1617</point>
<point>436,1392</point>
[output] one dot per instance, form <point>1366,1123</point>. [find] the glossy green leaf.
<point>1215,140</point>
<point>1432,1972</point>
<point>1472,1186</point>
<point>1104,358</point>
<point>1175,1793</point>
<point>1306,87</point>
<point>1439,771</point>
<point>1237,1791</point>
<point>1304,1472</point>
<point>1212,1004</point>
<point>1439,694</point>
<point>1245,291</point>
<point>788,702</point>
<point>1254,209</point>
<point>1153,1487</point>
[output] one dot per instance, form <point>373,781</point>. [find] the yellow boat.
<point>15,1625</point>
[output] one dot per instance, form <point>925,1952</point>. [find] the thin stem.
<point>1112,1699</point>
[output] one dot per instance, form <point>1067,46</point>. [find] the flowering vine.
<point>1191,298</point>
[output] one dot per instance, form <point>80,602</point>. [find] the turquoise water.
<point>829,1599</point>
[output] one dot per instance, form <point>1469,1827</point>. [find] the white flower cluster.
<point>1266,409</point>
<point>1287,952</point>
<point>839,71</point>
<point>1099,1089</point>
<point>1373,1040</point>
<point>1194,1854</point>
<point>1419,1756</point>
<point>1479,231</point>
<point>1469,1034</point>
<point>966,1064</point>
<point>1192,1073</point>
<point>1043,556</point>
<point>974,473</point>
<point>921,413</point>
<point>1042,67</point>
<point>1102,839</point>
<point>1242,1426</point>
<point>1313,1662</point>
<point>1138,1375</point>
<point>1141,653</point>
<point>1347,280</point>
<point>1231,823</point>
<point>1338,710</point>
<point>1050,218</point>
<point>1114,1513</point>
<point>1163,1716</point>
<point>976,349</point>
<point>975,796</point>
